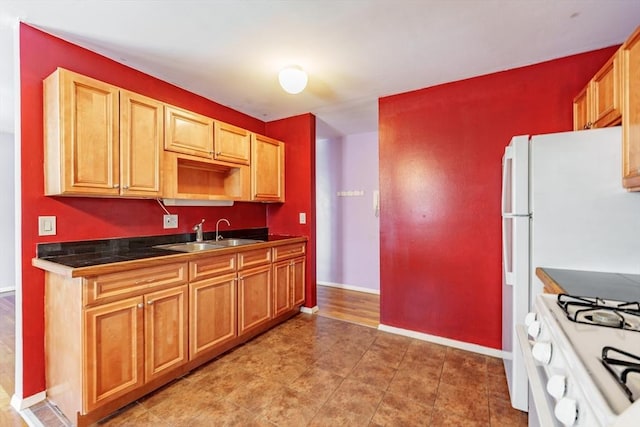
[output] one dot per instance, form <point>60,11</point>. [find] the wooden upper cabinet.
<point>187,132</point>
<point>232,144</point>
<point>606,91</point>
<point>631,113</point>
<point>100,140</point>
<point>581,114</point>
<point>81,135</point>
<point>141,132</point>
<point>267,169</point>
<point>599,104</point>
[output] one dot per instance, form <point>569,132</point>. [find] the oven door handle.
<point>538,389</point>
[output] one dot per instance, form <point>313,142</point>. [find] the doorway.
<point>348,227</point>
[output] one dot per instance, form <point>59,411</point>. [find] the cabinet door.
<point>581,116</point>
<point>282,298</point>
<point>114,351</point>
<point>254,297</point>
<point>187,132</point>
<point>165,331</point>
<point>298,274</point>
<point>141,127</point>
<point>605,93</point>
<point>212,308</point>
<point>81,135</point>
<point>631,113</point>
<point>267,169</point>
<point>232,144</point>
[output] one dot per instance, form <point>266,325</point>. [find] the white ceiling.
<point>355,51</point>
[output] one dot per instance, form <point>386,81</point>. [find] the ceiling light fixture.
<point>293,79</point>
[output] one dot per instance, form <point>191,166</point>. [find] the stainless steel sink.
<point>236,242</point>
<point>191,246</point>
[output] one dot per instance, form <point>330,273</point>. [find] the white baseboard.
<point>309,310</point>
<point>349,287</point>
<point>20,404</point>
<point>7,289</point>
<point>475,348</point>
<point>30,418</point>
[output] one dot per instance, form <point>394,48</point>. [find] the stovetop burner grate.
<point>621,364</point>
<point>599,312</point>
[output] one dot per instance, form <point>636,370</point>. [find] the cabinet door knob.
<point>116,185</point>
<point>126,187</point>
<point>140,305</point>
<point>150,302</point>
<point>218,153</point>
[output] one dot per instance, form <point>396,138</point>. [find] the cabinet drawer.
<point>123,284</point>
<point>254,258</point>
<point>212,266</point>
<point>288,251</point>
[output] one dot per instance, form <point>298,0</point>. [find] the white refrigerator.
<point>563,206</point>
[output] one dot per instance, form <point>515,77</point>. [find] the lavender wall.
<point>327,225</point>
<point>347,229</point>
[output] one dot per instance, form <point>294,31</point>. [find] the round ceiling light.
<point>293,79</point>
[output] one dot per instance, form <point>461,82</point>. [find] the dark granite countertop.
<point>614,286</point>
<point>108,251</point>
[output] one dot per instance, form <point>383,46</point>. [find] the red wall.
<point>440,166</point>
<point>90,218</point>
<point>299,135</point>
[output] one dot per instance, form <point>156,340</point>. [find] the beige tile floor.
<point>316,371</point>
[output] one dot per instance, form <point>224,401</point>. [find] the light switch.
<point>303,218</point>
<point>46,226</point>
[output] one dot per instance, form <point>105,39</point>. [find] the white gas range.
<point>583,362</point>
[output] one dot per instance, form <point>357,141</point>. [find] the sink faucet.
<point>218,237</point>
<point>198,229</point>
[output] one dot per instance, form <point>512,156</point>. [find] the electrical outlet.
<point>170,221</point>
<point>302,217</point>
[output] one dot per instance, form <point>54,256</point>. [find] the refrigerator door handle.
<point>507,250</point>
<point>507,183</point>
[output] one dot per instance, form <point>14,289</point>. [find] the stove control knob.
<point>530,318</point>
<point>557,386</point>
<point>541,351</point>
<point>566,411</point>
<point>534,329</point>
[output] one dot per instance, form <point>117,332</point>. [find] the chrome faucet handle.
<point>198,229</point>
<point>198,225</point>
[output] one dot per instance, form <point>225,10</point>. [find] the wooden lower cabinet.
<point>165,327</point>
<point>133,341</point>
<point>254,298</point>
<point>281,287</point>
<point>212,318</point>
<point>288,284</point>
<point>298,284</point>
<point>114,350</point>
<point>112,338</point>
